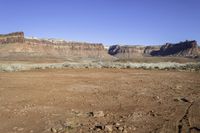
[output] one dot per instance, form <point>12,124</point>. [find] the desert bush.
<point>117,65</point>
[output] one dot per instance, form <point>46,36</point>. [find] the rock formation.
<point>15,37</point>
<point>150,49</point>
<point>65,48</point>
<point>16,44</point>
<point>126,51</point>
<point>184,49</point>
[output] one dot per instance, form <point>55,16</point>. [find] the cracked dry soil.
<point>99,100</point>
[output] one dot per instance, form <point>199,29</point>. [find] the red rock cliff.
<point>15,44</point>
<point>15,37</point>
<point>65,48</point>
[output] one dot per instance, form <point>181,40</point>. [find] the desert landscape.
<point>57,86</point>
<point>99,100</point>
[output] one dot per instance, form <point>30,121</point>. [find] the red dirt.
<point>140,101</point>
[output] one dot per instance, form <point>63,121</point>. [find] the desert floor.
<point>99,100</point>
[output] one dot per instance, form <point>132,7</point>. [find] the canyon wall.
<point>15,37</point>
<point>64,48</point>
<point>16,44</point>
<point>124,52</point>
<point>186,49</point>
<point>183,49</point>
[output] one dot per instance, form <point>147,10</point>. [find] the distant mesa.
<point>16,44</point>
<point>184,49</point>
<point>187,48</point>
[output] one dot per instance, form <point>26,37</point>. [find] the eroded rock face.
<point>113,50</point>
<point>16,44</point>
<point>15,37</point>
<point>126,51</point>
<point>64,48</point>
<point>185,49</point>
<point>150,49</point>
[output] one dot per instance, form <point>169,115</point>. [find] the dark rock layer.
<point>184,49</point>
<point>187,48</point>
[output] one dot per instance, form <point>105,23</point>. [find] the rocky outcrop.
<point>64,48</point>
<point>126,51</point>
<point>15,37</point>
<point>150,49</point>
<point>184,49</point>
<point>16,45</point>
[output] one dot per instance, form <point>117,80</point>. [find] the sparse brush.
<point>118,65</point>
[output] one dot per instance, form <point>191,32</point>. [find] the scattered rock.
<point>152,113</point>
<point>125,131</point>
<point>117,125</point>
<point>120,128</point>
<point>156,97</point>
<point>183,99</point>
<point>96,114</point>
<point>53,130</point>
<point>20,129</point>
<point>134,128</point>
<point>99,114</point>
<point>109,128</point>
<point>98,127</point>
<point>90,114</point>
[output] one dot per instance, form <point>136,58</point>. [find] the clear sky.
<point>106,21</point>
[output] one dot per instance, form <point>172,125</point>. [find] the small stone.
<point>125,131</point>
<point>98,114</point>
<point>185,100</point>
<point>60,128</point>
<point>120,128</point>
<point>134,128</point>
<point>99,127</point>
<point>15,128</point>
<point>109,128</point>
<point>20,129</point>
<point>117,124</point>
<point>53,130</point>
<point>90,114</point>
<point>151,113</point>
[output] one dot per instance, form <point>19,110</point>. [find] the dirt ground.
<point>99,100</point>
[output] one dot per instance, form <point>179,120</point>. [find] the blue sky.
<point>107,21</point>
